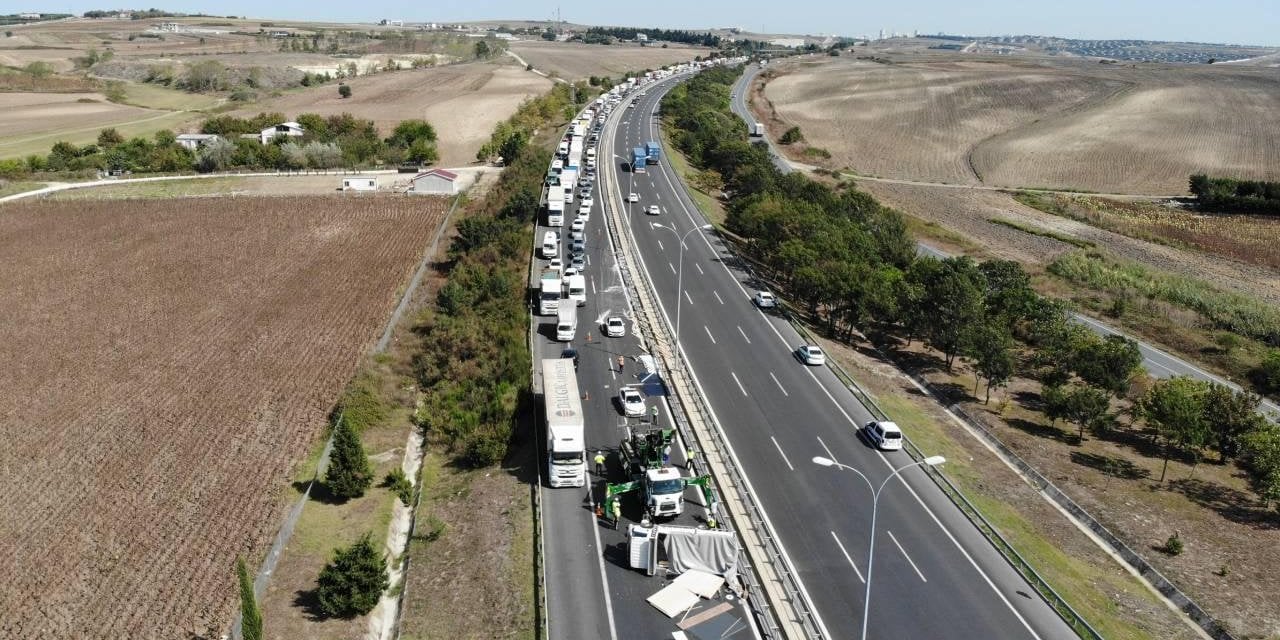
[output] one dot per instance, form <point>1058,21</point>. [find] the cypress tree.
<point>349,473</point>
<point>351,584</point>
<point>250,615</point>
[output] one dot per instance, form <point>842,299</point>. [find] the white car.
<point>633,197</point>
<point>584,213</point>
<point>556,263</point>
<point>632,402</point>
<point>884,435</point>
<point>577,236</point>
<point>614,327</point>
<point>653,210</point>
<point>579,262</point>
<point>765,300</point>
<point>579,224</point>
<point>587,203</point>
<point>811,354</point>
<point>570,272</point>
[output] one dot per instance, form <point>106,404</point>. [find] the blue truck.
<point>639,158</point>
<point>653,153</point>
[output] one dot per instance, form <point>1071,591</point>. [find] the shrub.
<point>1267,374</point>
<point>344,90</point>
<point>250,614</point>
<point>791,135</point>
<point>351,584</point>
<point>399,484</point>
<point>1173,546</point>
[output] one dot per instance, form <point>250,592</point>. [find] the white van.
<point>550,245</point>
<point>567,322</point>
<point>577,286</point>
<point>884,435</point>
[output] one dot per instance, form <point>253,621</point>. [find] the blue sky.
<point>1229,21</point>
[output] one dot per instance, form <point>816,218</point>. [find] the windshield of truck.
<point>664,487</point>
<point>577,291</point>
<point>550,295</point>
<point>566,457</point>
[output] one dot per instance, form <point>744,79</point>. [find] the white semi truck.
<point>566,439</point>
<point>549,292</point>
<point>566,322</point>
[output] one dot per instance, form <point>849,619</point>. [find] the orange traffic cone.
<point>588,336</point>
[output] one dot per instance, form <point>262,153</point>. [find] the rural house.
<point>359,183</point>
<point>194,141</point>
<point>435,181</point>
<point>291,129</point>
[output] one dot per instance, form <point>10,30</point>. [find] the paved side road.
<point>1158,363</point>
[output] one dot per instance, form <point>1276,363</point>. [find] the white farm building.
<point>435,182</point>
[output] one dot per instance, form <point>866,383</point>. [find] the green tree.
<point>109,137</point>
<point>344,90</point>
<point>38,70</point>
<point>409,131</point>
<point>351,584</point>
<point>349,473</point>
<point>990,346</point>
<point>1230,415</point>
<point>206,75</point>
<point>954,296</point>
<point>482,49</point>
<point>1089,408</point>
<point>1056,400</point>
<point>510,148</point>
<point>1174,408</point>
<point>1108,363</point>
<point>165,138</point>
<point>1262,461</point>
<point>1267,374</point>
<point>250,614</point>
<point>791,136</point>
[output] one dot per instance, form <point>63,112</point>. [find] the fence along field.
<point>166,362</point>
<point>1036,122</point>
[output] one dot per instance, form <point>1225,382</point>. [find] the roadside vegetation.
<point>849,267</point>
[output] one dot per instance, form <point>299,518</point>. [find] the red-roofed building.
<point>435,182</point>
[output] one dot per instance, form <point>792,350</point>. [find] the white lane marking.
<point>904,554</point>
<point>593,286</point>
<point>780,388</point>
<point>587,260</point>
<point>780,452</point>
<point>740,387</point>
<point>744,334</point>
<point>717,295</point>
<point>713,338</point>
<point>604,579</point>
<point>830,456</point>
<point>660,247</point>
<point>673,267</point>
<point>700,271</point>
<point>846,557</point>
<point>686,296</point>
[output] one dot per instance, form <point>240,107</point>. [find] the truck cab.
<point>664,491</point>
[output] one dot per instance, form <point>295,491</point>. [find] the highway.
<point>1158,363</point>
<point>591,591</point>
<point>936,576</point>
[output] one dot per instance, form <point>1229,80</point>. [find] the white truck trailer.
<point>576,289</point>
<point>549,292</point>
<point>566,439</point>
<point>555,206</point>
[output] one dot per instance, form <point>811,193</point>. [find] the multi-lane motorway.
<point>1157,362</point>
<point>935,574</point>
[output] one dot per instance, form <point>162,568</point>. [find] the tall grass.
<point>1225,310</point>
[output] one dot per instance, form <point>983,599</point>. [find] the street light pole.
<point>679,274</point>
<point>931,461</point>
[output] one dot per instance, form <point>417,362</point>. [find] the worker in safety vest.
<point>617,514</point>
<point>599,459</point>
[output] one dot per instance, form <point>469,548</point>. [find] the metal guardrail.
<point>771,623</point>
<point>1047,593</point>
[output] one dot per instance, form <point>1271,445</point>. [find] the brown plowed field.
<point>577,61</point>
<point>1035,123</point>
<point>166,363</point>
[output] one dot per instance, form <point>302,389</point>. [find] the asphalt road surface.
<point>935,575</point>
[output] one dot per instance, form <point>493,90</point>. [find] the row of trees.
<point>849,262</point>
<point>705,39</point>
<point>1230,195</point>
<point>334,141</point>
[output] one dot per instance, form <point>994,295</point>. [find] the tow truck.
<point>661,486</point>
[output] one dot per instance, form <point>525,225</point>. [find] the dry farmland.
<point>167,362</point>
<point>463,102</point>
<point>1034,122</point>
<point>576,61</point>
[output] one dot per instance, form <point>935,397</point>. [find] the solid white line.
<point>740,387</point>
<point>673,267</point>
<point>686,296</point>
<point>784,456</point>
<point>713,338</point>
<point>744,334</point>
<point>775,381</point>
<point>717,295</point>
<point>904,554</point>
<point>604,579</point>
<point>700,271</point>
<point>830,456</point>
<point>846,557</point>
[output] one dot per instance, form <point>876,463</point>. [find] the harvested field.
<point>1034,123</point>
<point>463,102</point>
<point>30,115</point>
<point>168,362</point>
<point>576,61</point>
